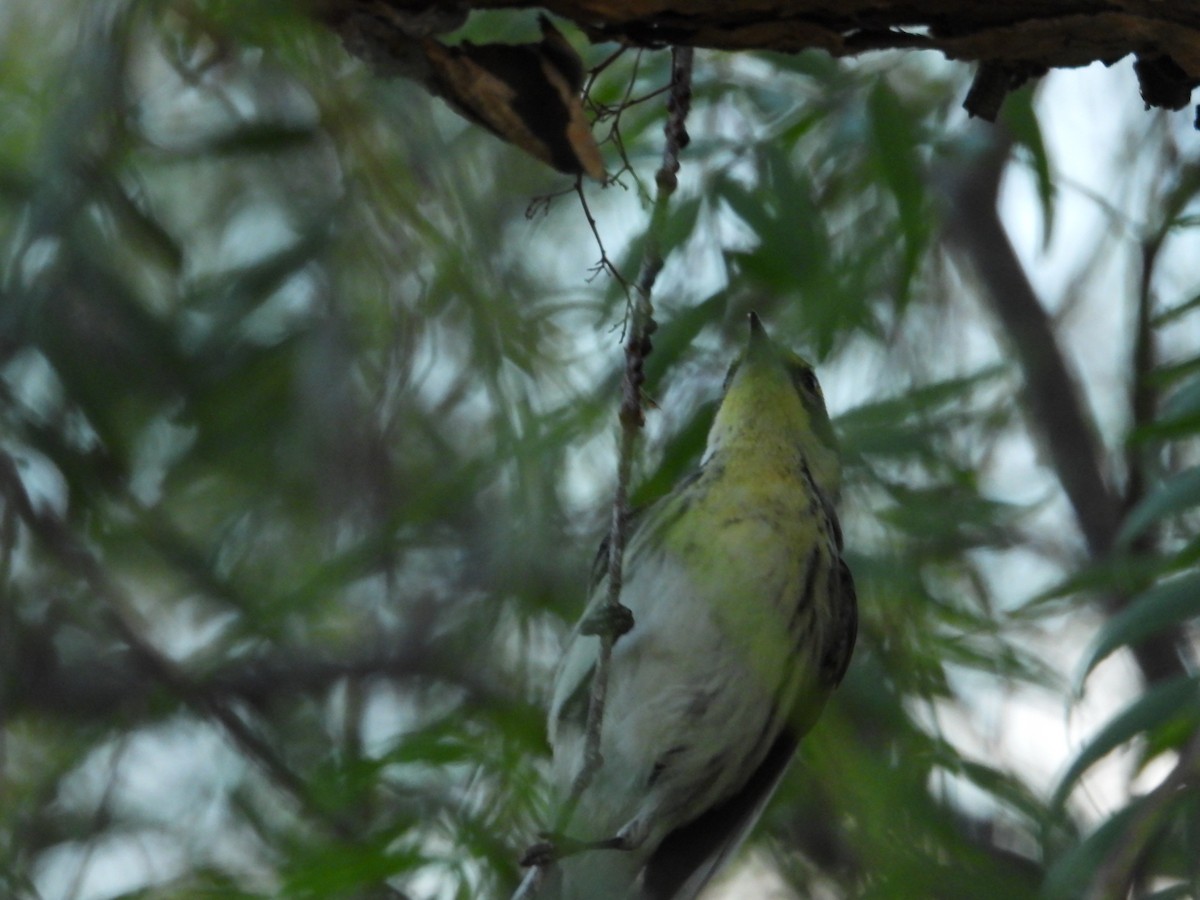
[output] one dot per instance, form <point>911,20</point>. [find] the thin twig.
<point>601,66</point>
<point>614,130</point>
<point>605,263</point>
<point>540,205</point>
<point>75,557</point>
<point>1054,405</point>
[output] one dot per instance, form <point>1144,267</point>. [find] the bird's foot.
<point>553,847</point>
<point>543,853</point>
<point>608,618</point>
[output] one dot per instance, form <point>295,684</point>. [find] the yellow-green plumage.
<point>744,621</point>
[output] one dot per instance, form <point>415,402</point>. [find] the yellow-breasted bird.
<point>744,622</point>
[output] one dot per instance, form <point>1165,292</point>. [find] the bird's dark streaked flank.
<point>744,622</point>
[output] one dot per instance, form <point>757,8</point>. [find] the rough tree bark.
<point>1011,40</point>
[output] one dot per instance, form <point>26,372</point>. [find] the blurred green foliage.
<point>306,439</point>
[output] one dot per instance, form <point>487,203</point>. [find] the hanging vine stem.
<point>637,348</point>
<point>641,326</point>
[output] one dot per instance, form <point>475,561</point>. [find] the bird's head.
<point>773,410</point>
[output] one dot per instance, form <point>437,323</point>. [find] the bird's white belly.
<point>690,705</point>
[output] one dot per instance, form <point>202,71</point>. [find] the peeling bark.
<point>1022,35</point>
<point>1010,40</point>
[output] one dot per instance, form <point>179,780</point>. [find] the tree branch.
<point>1068,435</point>
<point>148,662</point>
<point>93,688</point>
<point>1019,35</point>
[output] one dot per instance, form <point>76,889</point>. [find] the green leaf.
<point>1180,416</point>
<point>344,869</point>
<point>1160,841</point>
<point>926,397</point>
<point>1152,611</point>
<point>1169,374</point>
<point>745,204</point>
<point>1184,403</point>
<point>1169,315</point>
<point>904,426</point>
<point>1118,574</point>
<point>1159,705</point>
<point>793,252</point>
<point>681,455</point>
<point>676,337</point>
<point>1021,119</point>
<point>1177,493</point>
<point>1069,877</point>
<point>1005,787</point>
<point>894,143</point>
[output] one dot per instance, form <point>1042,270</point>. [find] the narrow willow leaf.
<point>1004,786</point>
<point>1176,312</point>
<point>1021,119</point>
<point>1184,403</point>
<point>1174,495</point>
<point>1158,705</point>
<point>1120,574</point>
<point>894,141</point>
<point>1162,606</point>
<point>1070,875</point>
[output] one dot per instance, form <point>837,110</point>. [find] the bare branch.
<point>1020,36</point>
<point>1068,434</point>
<point>93,688</point>
<point>75,557</point>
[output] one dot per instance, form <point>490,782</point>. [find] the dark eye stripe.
<point>805,380</point>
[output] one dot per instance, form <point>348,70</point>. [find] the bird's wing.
<point>689,856</point>
<point>843,633</point>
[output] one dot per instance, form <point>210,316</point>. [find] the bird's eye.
<point>805,380</point>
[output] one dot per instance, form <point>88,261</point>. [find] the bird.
<point>744,619</point>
